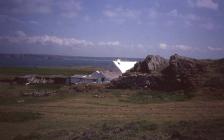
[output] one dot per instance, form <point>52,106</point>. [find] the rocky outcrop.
<point>184,72</point>
<point>152,63</point>
<point>138,80</point>
<point>179,72</point>
<point>145,74</point>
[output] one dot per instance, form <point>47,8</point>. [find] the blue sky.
<point>120,28</point>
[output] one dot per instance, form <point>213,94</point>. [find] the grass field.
<point>108,114</point>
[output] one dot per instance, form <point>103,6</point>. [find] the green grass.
<point>136,126</point>
<point>32,136</point>
<point>145,97</point>
<point>33,100</point>
<point>122,130</point>
<point>112,114</point>
<point>110,97</point>
<point>13,94</point>
<point>45,86</point>
<point>106,130</point>
<point>135,130</point>
<point>45,71</point>
<point>13,117</point>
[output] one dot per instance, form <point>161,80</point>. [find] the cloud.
<point>140,45</point>
<point>110,13</point>
<point>22,7</point>
<point>86,18</point>
<point>183,47</point>
<point>21,38</point>
<point>120,15</point>
<point>191,19</point>
<point>180,47</point>
<point>187,17</point>
<point>208,26</point>
<point>109,43</point>
<point>20,33</point>
<point>209,4</point>
<point>9,19</point>
<point>215,48</point>
<point>33,22</point>
<point>173,17</point>
<point>163,46</point>
<point>121,12</point>
<point>174,13</point>
<point>45,40</point>
<point>151,13</point>
<point>68,8</point>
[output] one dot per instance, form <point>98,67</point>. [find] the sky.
<point>113,28</point>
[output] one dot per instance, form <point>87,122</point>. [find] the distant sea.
<point>33,60</point>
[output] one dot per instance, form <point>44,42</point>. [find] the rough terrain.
<point>178,72</point>
<point>112,114</point>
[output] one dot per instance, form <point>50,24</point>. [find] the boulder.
<point>151,64</point>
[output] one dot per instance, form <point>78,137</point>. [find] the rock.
<point>152,63</point>
<point>145,74</point>
<point>138,80</point>
<point>184,72</point>
<point>179,73</point>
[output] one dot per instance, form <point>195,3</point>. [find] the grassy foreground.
<point>107,114</point>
